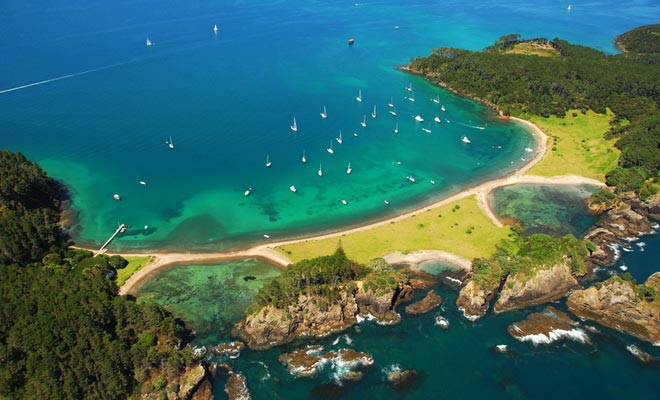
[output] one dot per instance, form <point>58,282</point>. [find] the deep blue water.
<point>100,106</point>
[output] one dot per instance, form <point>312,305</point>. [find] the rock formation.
<point>428,303</point>
<point>546,327</point>
<point>474,299</point>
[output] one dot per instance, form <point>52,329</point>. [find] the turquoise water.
<point>551,209</point>
<point>102,104</point>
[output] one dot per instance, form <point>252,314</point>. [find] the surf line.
<point>59,78</point>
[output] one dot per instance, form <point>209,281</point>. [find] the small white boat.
<point>373,114</point>
<point>355,134</point>
<point>320,171</point>
<point>410,178</point>
<point>411,98</point>
<point>432,182</point>
<point>391,103</point>
<point>364,122</point>
<point>248,191</point>
<point>443,108</point>
<point>437,119</point>
<point>146,227</point>
<point>293,188</point>
<point>623,268</point>
<point>266,236</point>
<point>268,163</point>
<point>529,149</point>
<point>294,127</point>
<point>329,149</point>
<point>396,128</point>
<point>344,202</point>
<point>359,96</point>
<point>215,28</point>
<point>303,159</point>
<point>393,112</point>
<point>349,169</point>
<point>568,8</point>
<point>465,139</point>
<point>387,203</point>
<point>116,197</point>
<point>427,130</point>
<point>149,43</point>
<point>437,99</point>
<point>324,114</point>
<point>419,118</point>
<point>170,144</point>
<point>143,183</point>
<point>339,139</point>
<point>409,88</point>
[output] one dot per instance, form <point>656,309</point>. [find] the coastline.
<point>268,253</point>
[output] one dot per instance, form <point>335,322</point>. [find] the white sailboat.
<point>293,188</point>
<point>396,128</point>
<point>364,122</point>
<point>569,7</point>
<point>320,171</point>
<point>409,88</point>
<point>143,183</point>
<point>443,108</point>
<point>359,96</point>
<point>465,139</point>
<point>149,43</point>
<point>268,163</point>
<point>393,112</point>
<point>329,149</point>
<point>324,114</point>
<point>437,119</point>
<point>410,178</point>
<point>349,169</point>
<point>248,191</point>
<point>294,127</point>
<point>387,203</point>
<point>373,114</point>
<point>419,118</point>
<point>344,202</point>
<point>437,99</point>
<point>411,98</point>
<point>339,139</point>
<point>391,103</point>
<point>170,144</point>
<point>427,130</point>
<point>303,159</point>
<point>215,28</point>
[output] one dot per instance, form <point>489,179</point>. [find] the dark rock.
<point>231,349</point>
<point>403,380</point>
<point>431,301</point>
<point>249,278</point>
<point>546,327</point>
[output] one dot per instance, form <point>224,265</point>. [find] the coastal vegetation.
<point>135,263</point>
<point>459,227</point>
<point>64,332</point>
<point>642,40</point>
<point>580,79</point>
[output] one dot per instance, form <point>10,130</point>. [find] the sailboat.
<point>443,108</point>
<point>569,7</point>
<point>248,191</point>
<point>373,114</point>
<point>268,163</point>
<point>293,188</point>
<point>324,114</point>
<point>437,99</point>
<point>437,119</point>
<point>294,127</point>
<point>409,88</point>
<point>329,149</point>
<point>215,28</point>
<point>396,128</point>
<point>391,103</point>
<point>339,139</point>
<point>411,98</point>
<point>465,139</point>
<point>427,130</point>
<point>303,159</point>
<point>419,118</point>
<point>364,122</point>
<point>170,144</point>
<point>349,169</point>
<point>359,96</point>
<point>149,43</point>
<point>393,112</point>
<point>320,171</point>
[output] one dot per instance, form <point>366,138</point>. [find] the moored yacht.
<point>359,96</point>
<point>293,189</point>
<point>303,159</point>
<point>465,139</point>
<point>324,114</point>
<point>320,171</point>
<point>419,118</point>
<point>349,169</point>
<point>268,163</point>
<point>339,139</point>
<point>149,43</point>
<point>294,127</point>
<point>364,122</point>
<point>373,114</point>
<point>248,191</point>
<point>329,149</point>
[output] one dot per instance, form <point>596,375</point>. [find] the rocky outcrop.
<point>474,299</point>
<point>621,305</point>
<point>648,208</point>
<point>231,349</point>
<point>317,316</point>
<point>236,386</point>
<point>305,363</point>
<point>545,284</point>
<point>428,303</point>
<point>192,381</point>
<point>547,327</point>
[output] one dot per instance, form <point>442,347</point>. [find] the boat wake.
<point>470,126</point>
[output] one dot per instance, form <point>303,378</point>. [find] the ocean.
<point>82,95</point>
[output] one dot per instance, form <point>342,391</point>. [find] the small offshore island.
<point>66,333</point>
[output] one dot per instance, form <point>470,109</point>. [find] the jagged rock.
<point>236,387</point>
<point>400,380</point>
<point>383,306</point>
<point>546,284</point>
<point>204,391</point>
<point>231,349</point>
<point>642,356</point>
<point>474,299</point>
<point>431,301</point>
<point>617,305</point>
<point>304,363</point>
<point>546,327</point>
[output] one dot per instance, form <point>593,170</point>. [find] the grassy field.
<point>533,49</point>
<point>460,228</point>
<point>576,145</point>
<point>134,264</point>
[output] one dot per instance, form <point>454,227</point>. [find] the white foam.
<point>336,341</point>
<point>471,318</point>
<point>577,335</point>
<point>391,322</point>
<point>617,252</point>
<point>348,340</point>
<point>449,278</point>
<point>502,347</point>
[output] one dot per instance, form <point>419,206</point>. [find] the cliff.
<point>319,315</point>
<point>621,305</point>
<point>474,298</point>
<point>545,284</point>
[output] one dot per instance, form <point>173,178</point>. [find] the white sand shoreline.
<point>267,251</point>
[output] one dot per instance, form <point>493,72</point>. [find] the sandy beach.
<point>267,251</point>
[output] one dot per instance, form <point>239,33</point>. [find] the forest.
<point>64,331</point>
<point>574,78</point>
